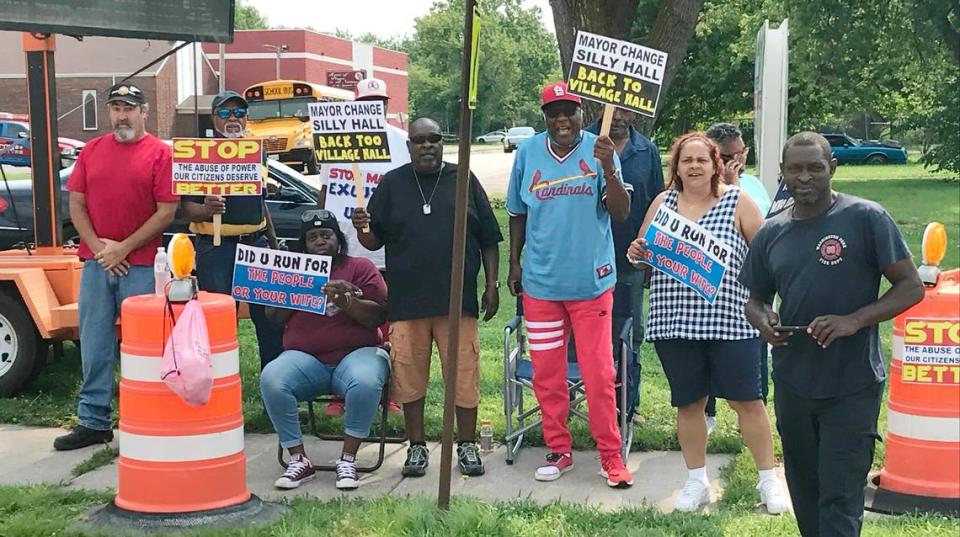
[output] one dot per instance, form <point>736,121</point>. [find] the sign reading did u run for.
<point>687,252</point>
<point>281,279</point>
<point>353,131</point>
<point>616,72</point>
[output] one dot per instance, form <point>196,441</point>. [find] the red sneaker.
<point>616,473</point>
<point>557,464</point>
<point>334,408</point>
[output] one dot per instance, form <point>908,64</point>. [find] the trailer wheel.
<point>18,345</point>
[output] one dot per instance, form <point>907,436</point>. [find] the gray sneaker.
<point>418,458</point>
<point>468,459</point>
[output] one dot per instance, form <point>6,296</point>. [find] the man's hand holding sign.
<point>215,168</point>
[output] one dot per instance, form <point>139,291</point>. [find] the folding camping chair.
<point>518,375</point>
<point>382,439</point>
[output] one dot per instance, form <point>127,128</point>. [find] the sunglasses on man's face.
<point>565,110</point>
<point>317,214</point>
<point>433,138</point>
<point>224,113</point>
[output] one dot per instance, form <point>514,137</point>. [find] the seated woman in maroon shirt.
<point>334,353</point>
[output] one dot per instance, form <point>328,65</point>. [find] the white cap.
<point>372,87</point>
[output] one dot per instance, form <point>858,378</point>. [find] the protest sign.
<point>350,131</point>
<point>931,352</point>
<point>782,200</point>
<point>282,279</point>
<point>217,167</point>
<point>617,73</point>
<point>688,253</point>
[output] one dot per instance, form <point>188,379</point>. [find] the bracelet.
<point>349,301</point>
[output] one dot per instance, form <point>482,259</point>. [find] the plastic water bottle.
<point>486,436</point>
<point>161,272</point>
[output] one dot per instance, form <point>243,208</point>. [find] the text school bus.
<point>278,113</point>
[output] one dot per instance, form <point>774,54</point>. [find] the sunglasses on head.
<point>566,110</point>
<point>317,214</point>
<point>224,113</point>
<point>433,138</point>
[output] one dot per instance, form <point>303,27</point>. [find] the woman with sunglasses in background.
<point>338,352</point>
<point>245,220</point>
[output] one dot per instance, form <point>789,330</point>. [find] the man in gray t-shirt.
<point>824,257</point>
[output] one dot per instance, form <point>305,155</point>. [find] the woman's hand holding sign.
<point>637,251</point>
<point>341,293</point>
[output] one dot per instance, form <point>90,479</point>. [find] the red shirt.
<point>123,183</point>
<point>330,338</point>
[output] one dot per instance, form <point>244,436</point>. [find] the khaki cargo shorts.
<point>411,345</point>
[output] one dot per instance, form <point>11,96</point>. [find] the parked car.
<point>516,135</point>
<point>15,142</point>
<point>847,150</point>
<point>492,137</point>
<point>288,196</point>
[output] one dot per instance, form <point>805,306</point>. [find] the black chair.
<point>382,439</point>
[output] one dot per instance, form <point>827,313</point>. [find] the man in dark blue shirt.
<point>641,167</point>
<point>824,257</point>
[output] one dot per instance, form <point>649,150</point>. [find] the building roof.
<point>92,57</point>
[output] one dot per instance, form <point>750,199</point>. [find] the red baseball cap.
<point>557,92</point>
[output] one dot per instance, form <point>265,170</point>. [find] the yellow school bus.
<point>278,113</point>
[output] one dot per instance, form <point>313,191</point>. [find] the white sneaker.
<point>347,475</point>
<point>711,424</point>
<point>695,494</point>
<point>773,496</point>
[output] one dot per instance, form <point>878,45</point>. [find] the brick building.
<point>86,70</point>
<point>312,57</point>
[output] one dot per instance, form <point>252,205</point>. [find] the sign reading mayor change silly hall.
<point>616,72</point>
<point>350,132</point>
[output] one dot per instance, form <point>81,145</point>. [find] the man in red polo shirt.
<point>121,200</point>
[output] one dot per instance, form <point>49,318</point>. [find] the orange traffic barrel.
<point>921,472</point>
<point>175,458</point>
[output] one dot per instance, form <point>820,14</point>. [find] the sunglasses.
<point>317,214</point>
<point>566,110</point>
<point>224,113</point>
<point>433,138</point>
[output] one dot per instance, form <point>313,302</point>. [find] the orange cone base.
<point>252,512</point>
<point>182,487</point>
<point>880,500</point>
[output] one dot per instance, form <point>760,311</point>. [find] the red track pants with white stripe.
<point>548,330</point>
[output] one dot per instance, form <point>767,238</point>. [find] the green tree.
<point>517,57</point>
<point>248,18</point>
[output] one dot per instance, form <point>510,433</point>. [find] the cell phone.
<point>791,329</point>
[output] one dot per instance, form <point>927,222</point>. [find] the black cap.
<point>318,218</point>
<point>225,96</point>
<point>127,93</point>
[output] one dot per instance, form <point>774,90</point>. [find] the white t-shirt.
<point>341,197</point>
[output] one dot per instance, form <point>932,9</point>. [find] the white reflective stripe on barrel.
<point>198,447</point>
<point>923,427</point>
<point>898,347</point>
<point>147,368</point>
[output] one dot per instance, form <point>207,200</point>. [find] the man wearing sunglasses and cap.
<point>245,220</point>
<point>121,200</point>
<point>411,215</point>
<point>565,186</point>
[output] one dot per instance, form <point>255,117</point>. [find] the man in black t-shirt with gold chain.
<point>245,220</point>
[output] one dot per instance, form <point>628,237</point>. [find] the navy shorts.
<point>725,369</point>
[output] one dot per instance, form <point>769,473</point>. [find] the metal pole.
<point>278,62</point>
<point>223,68</point>
<point>456,275</point>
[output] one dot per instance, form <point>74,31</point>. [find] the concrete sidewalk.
<point>27,457</point>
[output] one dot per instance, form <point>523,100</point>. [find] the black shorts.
<point>724,369</point>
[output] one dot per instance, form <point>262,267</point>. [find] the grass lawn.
<point>45,511</point>
<point>913,201</point>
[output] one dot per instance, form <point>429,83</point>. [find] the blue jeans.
<point>296,376</point>
<point>101,295</point>
<point>215,274</point>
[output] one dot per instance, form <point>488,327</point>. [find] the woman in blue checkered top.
<point>709,348</point>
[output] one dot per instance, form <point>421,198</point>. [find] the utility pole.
<point>278,49</point>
